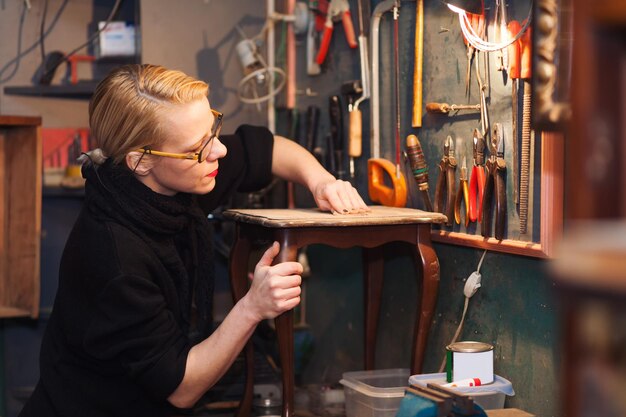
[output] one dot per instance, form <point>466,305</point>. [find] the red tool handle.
<point>477,185</point>
<point>514,50</point>
<point>328,34</point>
<point>346,19</point>
<point>526,54</point>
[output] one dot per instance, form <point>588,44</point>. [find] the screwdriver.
<point>419,168</point>
<point>446,108</point>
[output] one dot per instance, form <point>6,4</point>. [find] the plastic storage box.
<point>489,397</point>
<point>374,393</point>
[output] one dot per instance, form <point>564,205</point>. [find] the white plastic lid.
<point>383,383</point>
<point>499,384</point>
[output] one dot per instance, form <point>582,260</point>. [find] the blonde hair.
<point>126,108</point>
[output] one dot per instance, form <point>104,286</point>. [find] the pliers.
<point>496,182</point>
<point>477,179</point>
<point>462,195</point>
<point>477,22</point>
<point>337,9</point>
<point>447,174</point>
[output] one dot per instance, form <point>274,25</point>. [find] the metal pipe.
<point>271,61</point>
<point>380,9</point>
<point>291,58</point>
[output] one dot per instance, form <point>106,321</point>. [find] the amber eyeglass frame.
<point>197,156</point>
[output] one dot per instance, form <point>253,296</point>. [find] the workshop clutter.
<point>61,149</point>
<point>488,397</point>
<point>396,393</point>
<point>477,138</point>
<point>374,393</point>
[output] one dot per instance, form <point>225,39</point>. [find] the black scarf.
<point>173,226</point>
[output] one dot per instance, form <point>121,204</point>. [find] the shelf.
<point>48,191</point>
<point>81,90</point>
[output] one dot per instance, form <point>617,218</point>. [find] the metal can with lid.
<point>466,360</point>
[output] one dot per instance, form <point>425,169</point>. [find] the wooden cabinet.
<point>20,215</point>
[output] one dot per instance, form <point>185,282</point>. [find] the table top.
<point>309,217</point>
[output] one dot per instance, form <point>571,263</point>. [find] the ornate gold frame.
<point>549,112</point>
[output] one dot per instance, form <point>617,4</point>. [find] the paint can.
<point>465,360</point>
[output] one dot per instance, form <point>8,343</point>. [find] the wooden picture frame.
<point>551,210</point>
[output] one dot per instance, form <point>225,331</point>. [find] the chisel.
<point>336,133</point>
<point>444,108</point>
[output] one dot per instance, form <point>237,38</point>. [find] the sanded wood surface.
<point>379,215</point>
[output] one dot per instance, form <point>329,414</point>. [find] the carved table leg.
<point>373,266</point>
<point>284,331</point>
<point>430,286</point>
<point>238,272</point>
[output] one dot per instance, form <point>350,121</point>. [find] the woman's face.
<point>187,127</point>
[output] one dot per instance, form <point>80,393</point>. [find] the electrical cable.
<point>466,305</point>
<point>20,54</point>
<point>17,59</point>
<point>480,44</point>
<point>114,11</point>
<point>42,25</point>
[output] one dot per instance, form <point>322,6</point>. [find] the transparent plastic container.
<point>374,393</point>
<point>489,397</point>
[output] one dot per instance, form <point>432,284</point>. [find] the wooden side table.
<point>296,228</point>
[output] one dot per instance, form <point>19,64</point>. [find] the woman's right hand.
<point>275,288</point>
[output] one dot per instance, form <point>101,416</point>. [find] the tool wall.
<point>515,311</point>
<point>453,111</point>
<point>444,74</point>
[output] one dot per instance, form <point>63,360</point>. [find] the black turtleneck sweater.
<point>118,337</point>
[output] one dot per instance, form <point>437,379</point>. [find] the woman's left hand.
<point>338,197</point>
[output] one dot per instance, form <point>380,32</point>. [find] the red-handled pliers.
<point>337,9</point>
<point>477,179</point>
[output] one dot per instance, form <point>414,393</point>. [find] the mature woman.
<point>130,333</point>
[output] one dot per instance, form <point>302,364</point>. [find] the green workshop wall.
<point>514,310</point>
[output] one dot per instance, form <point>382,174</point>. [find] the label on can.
<point>466,360</point>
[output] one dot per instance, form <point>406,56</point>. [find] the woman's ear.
<point>139,162</point>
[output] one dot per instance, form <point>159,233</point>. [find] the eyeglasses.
<point>205,149</point>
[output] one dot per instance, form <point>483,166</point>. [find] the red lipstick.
<point>212,174</point>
